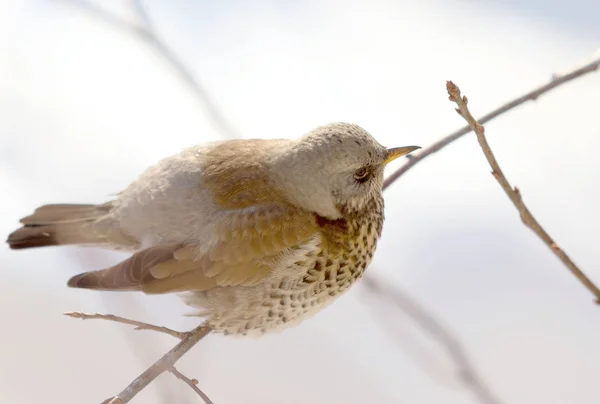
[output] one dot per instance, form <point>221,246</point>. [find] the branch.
<point>163,364</point>
<point>556,81</point>
<point>166,363</point>
<point>190,382</point>
<point>138,324</point>
<point>513,193</point>
<point>467,372</point>
<point>143,351</point>
<point>147,33</point>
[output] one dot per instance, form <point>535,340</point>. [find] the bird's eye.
<point>361,174</point>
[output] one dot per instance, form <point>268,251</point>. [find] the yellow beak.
<point>396,152</point>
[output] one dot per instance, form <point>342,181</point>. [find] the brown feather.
<point>65,213</point>
<point>30,237</point>
<point>249,244</point>
<point>236,173</point>
<point>57,224</point>
<point>128,274</point>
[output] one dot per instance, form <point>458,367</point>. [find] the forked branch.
<point>166,363</point>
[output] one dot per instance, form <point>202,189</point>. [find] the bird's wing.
<point>245,243</point>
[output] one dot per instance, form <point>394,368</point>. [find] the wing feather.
<point>248,242</point>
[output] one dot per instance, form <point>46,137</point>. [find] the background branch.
<point>513,193</point>
<point>147,33</point>
<point>557,80</point>
<point>467,373</point>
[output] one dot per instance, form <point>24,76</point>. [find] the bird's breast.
<point>347,249</point>
<point>316,274</point>
<point>339,259</point>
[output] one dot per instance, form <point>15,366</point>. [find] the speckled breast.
<point>346,250</point>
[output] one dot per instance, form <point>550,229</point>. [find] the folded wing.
<point>246,245</point>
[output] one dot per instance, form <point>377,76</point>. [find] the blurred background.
<point>88,101</point>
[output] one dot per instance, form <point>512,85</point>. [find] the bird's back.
<point>182,196</point>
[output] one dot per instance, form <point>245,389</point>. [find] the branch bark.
<point>557,80</point>
<point>143,351</point>
<point>137,324</point>
<point>165,363</point>
<point>193,383</point>
<point>513,193</point>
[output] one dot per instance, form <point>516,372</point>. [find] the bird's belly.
<point>279,302</point>
<point>266,310</point>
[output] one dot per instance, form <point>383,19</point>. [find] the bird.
<point>256,235</point>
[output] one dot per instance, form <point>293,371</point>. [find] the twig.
<point>193,383</point>
<point>163,364</point>
<point>467,372</point>
<point>556,81</point>
<point>513,193</point>
<point>138,324</point>
<point>141,350</point>
<point>111,19</point>
<point>147,33</point>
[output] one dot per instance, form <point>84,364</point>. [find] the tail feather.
<point>32,236</point>
<point>64,213</point>
<point>57,224</point>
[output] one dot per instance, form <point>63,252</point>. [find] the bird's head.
<point>336,168</point>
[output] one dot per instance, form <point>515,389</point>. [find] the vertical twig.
<point>513,193</point>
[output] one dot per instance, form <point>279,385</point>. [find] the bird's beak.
<point>396,152</point>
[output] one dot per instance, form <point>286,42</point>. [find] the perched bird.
<point>259,234</point>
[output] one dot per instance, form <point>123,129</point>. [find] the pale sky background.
<point>84,108</point>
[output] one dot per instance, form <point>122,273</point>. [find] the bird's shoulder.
<point>236,172</point>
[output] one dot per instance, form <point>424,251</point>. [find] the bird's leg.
<point>138,324</point>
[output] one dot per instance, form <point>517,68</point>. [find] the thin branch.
<point>147,33</point>
<point>513,193</point>
<point>111,19</point>
<point>193,383</point>
<point>467,372</point>
<point>165,363</point>
<point>138,324</point>
<point>556,81</point>
<point>141,11</point>
<point>142,351</point>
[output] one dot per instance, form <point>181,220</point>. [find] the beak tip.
<point>396,152</point>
